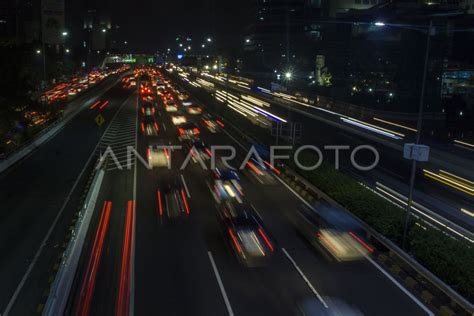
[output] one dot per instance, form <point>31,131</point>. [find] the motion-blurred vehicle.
<point>158,156</point>
<point>148,109</point>
<point>194,110</point>
<point>171,106</point>
<point>182,96</point>
<point>188,130</point>
<point>260,171</point>
<point>187,102</point>
<point>178,118</point>
<point>172,201</point>
<point>145,88</point>
<point>248,238</point>
<point>225,185</point>
<point>199,150</point>
<point>211,123</point>
<point>331,231</point>
<point>149,127</point>
<point>336,307</point>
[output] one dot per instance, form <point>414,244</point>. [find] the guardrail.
<point>62,284</point>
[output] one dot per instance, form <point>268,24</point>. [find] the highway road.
<point>149,264</point>
<point>322,128</point>
<point>39,197</point>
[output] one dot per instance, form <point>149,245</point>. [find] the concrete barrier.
<point>62,284</point>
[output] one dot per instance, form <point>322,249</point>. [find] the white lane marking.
<point>294,192</point>
<point>185,187</point>
<point>18,289</point>
<point>401,287</point>
<point>304,277</point>
<point>371,261</point>
<point>221,285</point>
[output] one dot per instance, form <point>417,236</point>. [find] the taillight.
<point>196,131</point>
<point>181,131</point>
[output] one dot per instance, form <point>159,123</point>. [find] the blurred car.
<point>158,156</point>
<point>148,109</point>
<point>199,150</point>
<point>145,88</point>
<point>187,102</point>
<point>194,110</point>
<point>188,130</point>
<point>171,106</point>
<point>314,307</point>
<point>225,185</point>
<point>178,118</point>
<point>211,123</point>
<point>245,233</point>
<point>331,231</point>
<point>182,96</point>
<point>172,200</point>
<point>149,127</point>
<point>260,171</point>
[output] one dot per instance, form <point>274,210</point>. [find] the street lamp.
<point>288,75</point>
<point>104,30</point>
<point>209,39</point>
<point>247,40</point>
<point>38,51</point>
<point>67,50</point>
<point>65,33</point>
<point>203,46</point>
<point>429,30</point>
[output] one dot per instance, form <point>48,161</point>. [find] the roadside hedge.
<point>450,259</point>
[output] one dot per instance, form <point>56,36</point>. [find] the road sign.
<point>416,152</point>
<point>99,120</point>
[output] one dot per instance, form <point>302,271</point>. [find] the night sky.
<point>150,25</point>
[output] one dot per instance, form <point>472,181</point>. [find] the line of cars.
<point>240,223</point>
<point>334,236</point>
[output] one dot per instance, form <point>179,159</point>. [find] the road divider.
<point>63,282</point>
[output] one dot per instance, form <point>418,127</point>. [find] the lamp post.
<point>418,134</point>
<point>429,29</point>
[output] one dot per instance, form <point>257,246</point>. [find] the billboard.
<point>52,21</point>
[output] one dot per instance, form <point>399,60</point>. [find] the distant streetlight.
<point>65,33</point>
<point>214,67</point>
<point>288,75</point>
<point>203,46</point>
<point>378,23</point>
<point>125,42</point>
<point>247,40</point>
<point>38,51</point>
<point>209,39</point>
<point>67,50</point>
<point>180,45</point>
<point>104,30</point>
<point>189,47</point>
